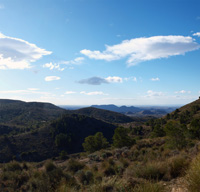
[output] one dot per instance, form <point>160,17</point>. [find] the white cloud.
<point>33,89</point>
<point>145,49</point>
<point>16,53</point>
<point>182,92</point>
<point>155,79</point>
<point>196,34</point>
<point>52,78</point>
<point>52,66</point>
<point>130,79</point>
<point>114,79</point>
<point>69,92</point>
<point>151,93</point>
<point>93,93</point>
<point>57,66</point>
<point>76,61</point>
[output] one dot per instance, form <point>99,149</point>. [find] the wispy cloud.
<point>33,89</point>
<point>52,66</point>
<point>76,61</point>
<point>16,53</point>
<point>144,49</point>
<point>151,93</point>
<point>69,92</point>
<point>196,34</point>
<point>93,93</point>
<point>51,78</point>
<point>130,79</point>
<point>182,92</point>
<point>155,79</point>
<point>114,79</point>
<point>107,80</point>
<point>61,66</point>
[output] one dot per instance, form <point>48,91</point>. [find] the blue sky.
<point>84,52</point>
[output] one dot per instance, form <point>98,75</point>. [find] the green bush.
<point>178,165</point>
<point>13,166</point>
<point>74,165</point>
<point>149,187</point>
<point>193,176</point>
<point>85,178</point>
<point>151,170</point>
<point>95,142</point>
<point>121,138</point>
<point>50,166</point>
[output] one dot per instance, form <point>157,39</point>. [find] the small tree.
<point>121,138</point>
<point>176,134</point>
<point>95,142</point>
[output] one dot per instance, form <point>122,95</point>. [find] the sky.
<point>85,52</point>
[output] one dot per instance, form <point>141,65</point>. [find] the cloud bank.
<point>17,53</point>
<point>144,49</point>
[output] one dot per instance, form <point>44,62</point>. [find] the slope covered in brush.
<point>104,115</point>
<point>66,133</point>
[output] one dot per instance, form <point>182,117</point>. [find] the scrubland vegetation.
<point>159,155</point>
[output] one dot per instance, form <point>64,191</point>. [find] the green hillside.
<point>104,115</point>
<point>18,116</point>
<point>40,144</point>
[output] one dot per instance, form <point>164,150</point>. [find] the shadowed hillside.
<point>104,115</point>
<point>40,144</point>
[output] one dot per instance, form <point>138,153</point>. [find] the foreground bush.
<point>149,187</point>
<point>150,171</point>
<point>74,165</point>
<point>193,176</point>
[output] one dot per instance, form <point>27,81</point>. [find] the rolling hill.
<point>104,115</point>
<point>18,116</point>
<point>40,144</point>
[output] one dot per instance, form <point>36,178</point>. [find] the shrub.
<point>178,165</point>
<point>176,134</point>
<point>50,166</point>
<point>85,177</point>
<point>95,142</point>
<point>193,175</point>
<point>74,165</point>
<point>13,166</point>
<point>148,187</point>
<point>109,170</point>
<point>151,170</point>
<point>121,138</point>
